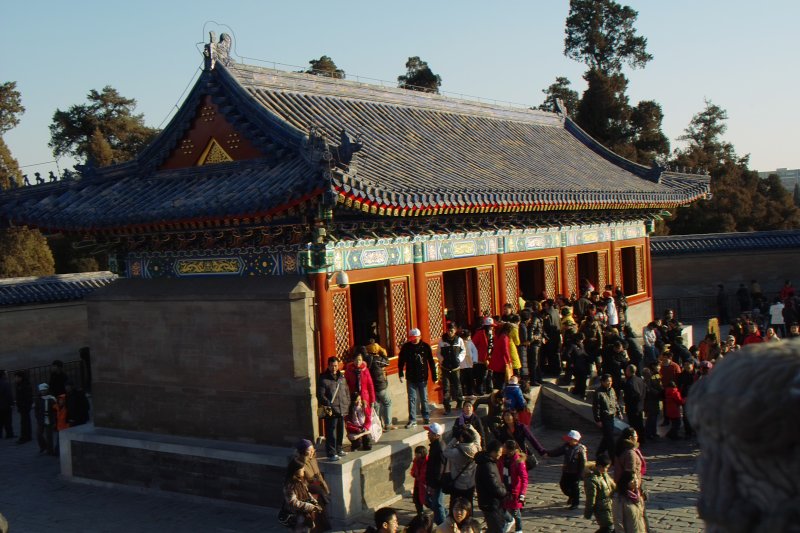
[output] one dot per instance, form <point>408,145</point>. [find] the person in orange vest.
<point>60,409</point>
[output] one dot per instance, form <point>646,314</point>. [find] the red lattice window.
<point>400,315</point>
<point>435,306</point>
<point>640,272</point>
<point>342,329</point>
<point>572,275</point>
<point>512,287</point>
<point>551,277</point>
<point>485,292</point>
<point>602,269</point>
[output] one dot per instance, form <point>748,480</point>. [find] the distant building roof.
<point>62,287</point>
<point>384,151</point>
<point>724,242</point>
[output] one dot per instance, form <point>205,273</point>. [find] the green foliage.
<point>419,77</point>
<point>600,33</point>
<point>23,251</point>
<point>796,194</point>
<point>741,201</point>
<point>560,90</point>
<point>69,259</point>
<point>649,142</point>
<point>604,111</point>
<point>324,66</point>
<point>10,106</point>
<point>101,132</point>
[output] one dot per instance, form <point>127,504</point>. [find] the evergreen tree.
<point>601,34</point>
<point>419,77</point>
<point>560,90</point>
<point>741,201</point>
<point>604,111</point>
<point>101,132</point>
<point>649,142</point>
<point>324,66</point>
<point>10,106</point>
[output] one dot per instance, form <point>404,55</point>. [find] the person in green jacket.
<point>599,488</point>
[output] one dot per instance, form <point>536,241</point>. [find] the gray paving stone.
<point>35,499</point>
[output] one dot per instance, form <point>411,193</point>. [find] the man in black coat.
<point>6,401</point>
<point>24,395</point>
<point>490,488</point>
<point>332,392</point>
<point>605,408</point>
<point>415,359</point>
<point>634,392</point>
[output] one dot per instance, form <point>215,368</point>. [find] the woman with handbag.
<point>460,455</point>
<point>513,429</point>
<point>317,485</point>
<point>299,507</point>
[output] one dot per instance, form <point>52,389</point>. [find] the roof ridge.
<point>357,90</point>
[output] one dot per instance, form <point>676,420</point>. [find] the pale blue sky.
<point>743,55</point>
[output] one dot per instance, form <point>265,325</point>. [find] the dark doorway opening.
<point>369,302</point>
<point>630,283</point>
<point>456,298</point>
<point>587,269</point>
<point>531,279</point>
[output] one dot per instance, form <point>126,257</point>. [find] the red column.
<point>420,299</point>
<point>564,273</point>
<point>326,341</point>
<point>648,271</point>
<point>501,283</point>
<point>612,266</point>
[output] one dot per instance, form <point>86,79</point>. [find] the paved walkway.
<point>35,499</point>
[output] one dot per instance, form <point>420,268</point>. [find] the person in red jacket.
<point>501,356</point>
<point>515,478</point>
<point>418,468</point>
<point>359,381</point>
<point>753,335</point>
<point>483,339</point>
<point>673,401</point>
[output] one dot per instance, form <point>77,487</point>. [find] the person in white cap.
<point>415,359</point>
<point>574,462</point>
<point>45,420</point>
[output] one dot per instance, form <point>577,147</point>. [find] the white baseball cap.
<point>572,434</point>
<point>488,321</point>
<point>414,333</point>
<point>436,428</point>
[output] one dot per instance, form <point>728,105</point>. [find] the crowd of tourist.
<point>487,462</point>
<point>58,405</point>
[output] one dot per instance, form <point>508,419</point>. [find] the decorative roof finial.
<point>561,108</point>
<point>219,51</point>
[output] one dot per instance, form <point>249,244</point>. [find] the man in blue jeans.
<point>413,364</point>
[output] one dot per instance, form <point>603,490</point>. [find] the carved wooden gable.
<point>210,139</point>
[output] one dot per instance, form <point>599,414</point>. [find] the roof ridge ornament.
<point>219,51</point>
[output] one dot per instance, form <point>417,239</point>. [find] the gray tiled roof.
<point>427,147</point>
<point>724,242</point>
<point>63,287</point>
<point>422,154</point>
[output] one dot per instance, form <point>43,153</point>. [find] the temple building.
<point>281,218</point>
